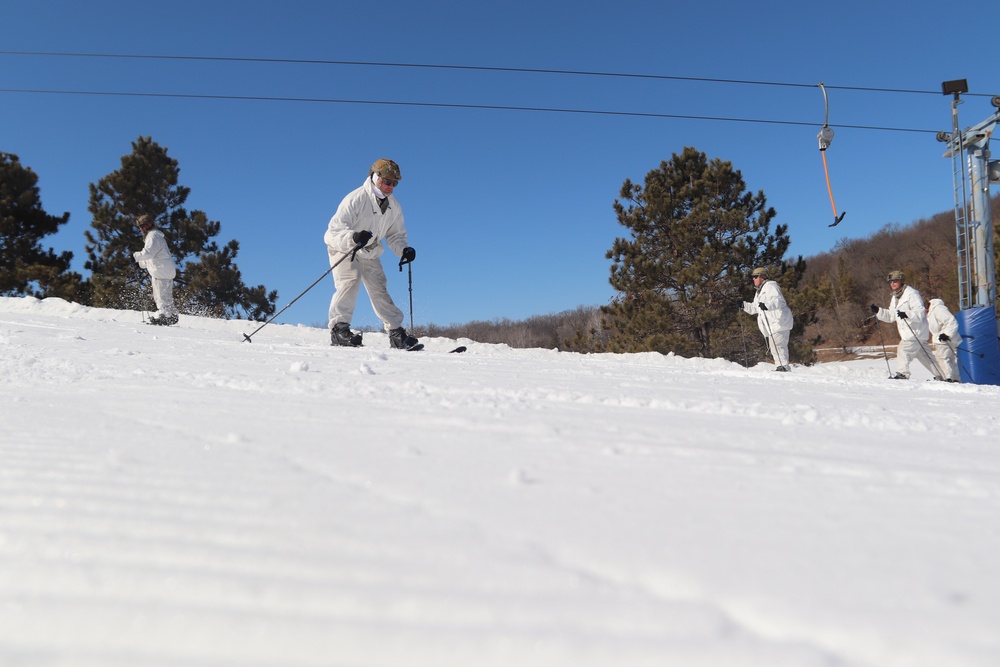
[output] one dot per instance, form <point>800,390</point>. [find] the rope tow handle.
<point>825,138</point>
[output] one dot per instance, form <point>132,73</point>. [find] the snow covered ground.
<point>179,497</point>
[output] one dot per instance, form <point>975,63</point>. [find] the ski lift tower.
<point>972,173</point>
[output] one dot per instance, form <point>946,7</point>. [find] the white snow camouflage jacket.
<point>941,321</point>
<point>778,315</point>
<point>155,256</point>
<point>909,302</point>
<point>360,211</point>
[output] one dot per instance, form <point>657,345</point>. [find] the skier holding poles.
<point>366,217</point>
<point>774,318</point>
<point>156,259</point>
<point>906,309</point>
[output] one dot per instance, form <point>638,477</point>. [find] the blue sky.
<point>510,211</point>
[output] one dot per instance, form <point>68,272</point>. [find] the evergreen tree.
<point>214,287</point>
<point>147,183</point>
<point>694,235</point>
<point>25,268</point>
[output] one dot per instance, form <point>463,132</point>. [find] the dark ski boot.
<point>399,339</point>
<point>341,334</point>
<point>163,320</point>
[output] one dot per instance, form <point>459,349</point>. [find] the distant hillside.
<point>544,331</point>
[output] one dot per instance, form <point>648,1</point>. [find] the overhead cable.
<point>449,105</point>
<point>480,68</point>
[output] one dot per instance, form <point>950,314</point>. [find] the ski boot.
<point>399,339</point>
<point>163,320</point>
<point>341,334</point>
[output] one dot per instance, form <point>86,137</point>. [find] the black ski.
<point>415,348</point>
<point>460,348</point>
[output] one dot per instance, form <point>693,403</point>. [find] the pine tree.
<point>25,268</point>
<point>148,184</point>
<point>694,235</point>
<point>214,287</point>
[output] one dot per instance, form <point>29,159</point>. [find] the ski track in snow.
<point>175,496</point>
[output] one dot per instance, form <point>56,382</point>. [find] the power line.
<point>479,68</point>
<point>448,105</point>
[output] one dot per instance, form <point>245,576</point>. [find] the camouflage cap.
<point>895,275</point>
<point>143,221</point>
<point>386,168</point>
<point>759,271</point>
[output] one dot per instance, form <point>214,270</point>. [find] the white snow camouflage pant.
<point>163,295</point>
<point>777,343</point>
<point>348,278</point>
<point>947,360</point>
<point>911,349</point>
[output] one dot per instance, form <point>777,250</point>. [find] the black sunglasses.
<point>389,182</point>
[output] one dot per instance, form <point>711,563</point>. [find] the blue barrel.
<point>979,353</point>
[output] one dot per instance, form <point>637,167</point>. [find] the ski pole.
<point>743,335</point>
<point>967,351</point>
<point>767,325</point>
<point>885,354</point>
<point>927,354</point>
<point>954,350</point>
<point>335,265</point>
<point>409,271</point>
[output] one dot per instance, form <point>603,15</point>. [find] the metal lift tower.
<point>973,172</point>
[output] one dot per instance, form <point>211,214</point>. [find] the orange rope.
<point>828,188</point>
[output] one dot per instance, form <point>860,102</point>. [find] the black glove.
<point>900,314</point>
<point>874,309</point>
<point>944,338</point>
<point>739,304</point>
<point>409,254</point>
<point>362,238</point>
<point>762,306</point>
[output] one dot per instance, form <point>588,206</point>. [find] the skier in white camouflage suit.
<point>366,217</point>
<point>906,309</point>
<point>155,257</point>
<point>774,317</point>
<point>944,338</point>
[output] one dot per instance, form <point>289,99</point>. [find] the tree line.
<point>209,281</point>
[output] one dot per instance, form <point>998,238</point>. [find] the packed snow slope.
<point>179,497</point>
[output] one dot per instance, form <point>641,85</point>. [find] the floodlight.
<point>956,87</point>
